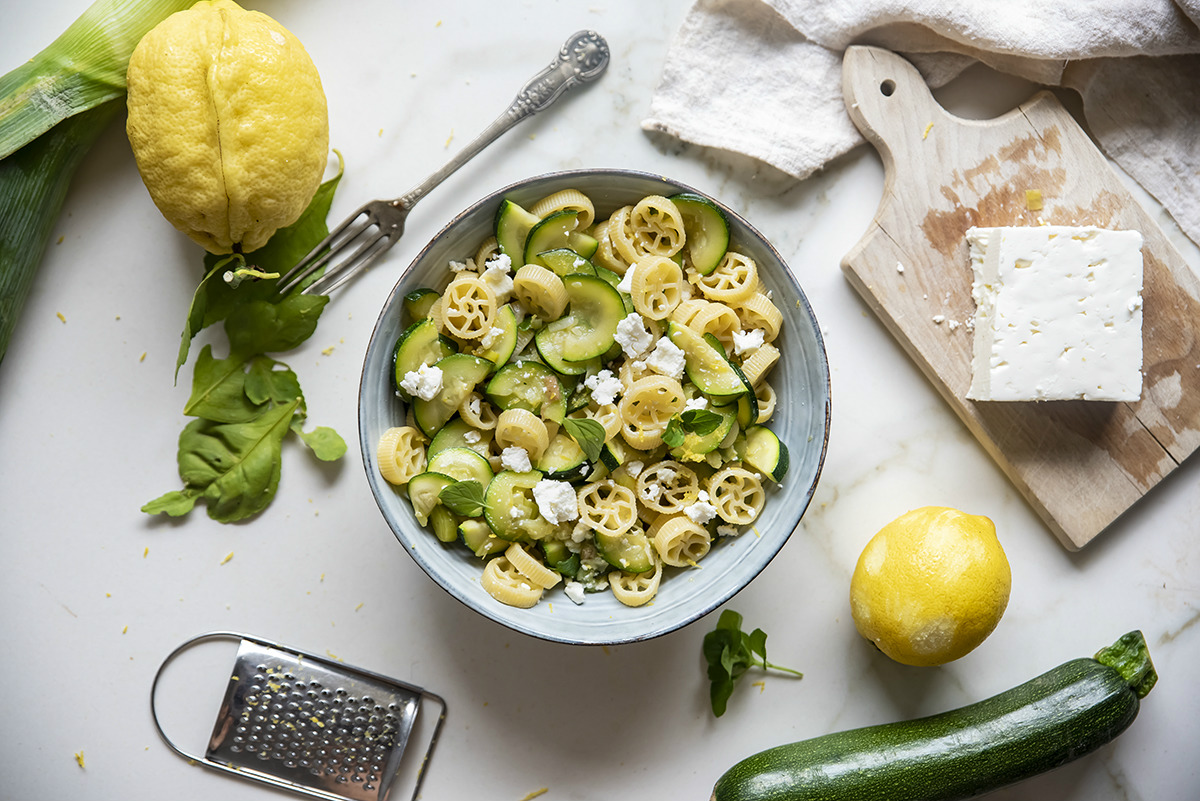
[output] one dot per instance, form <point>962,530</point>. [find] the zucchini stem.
<point>1130,657</point>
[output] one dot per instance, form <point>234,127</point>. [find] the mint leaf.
<point>730,652</point>
<point>700,421</point>
<point>463,498</point>
<point>588,433</point>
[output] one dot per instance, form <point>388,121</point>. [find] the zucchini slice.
<point>711,372</point>
<point>588,328</point>
<point>423,492</point>
<point>419,344</point>
<point>462,464</point>
<point>531,386</point>
<point>564,262</point>
<point>550,233</point>
<point>444,524</point>
<point>564,460</point>
<point>513,224</point>
<point>706,230</point>
<point>477,535</point>
<point>559,557</point>
<point>417,303</point>
<point>461,372</point>
<point>629,551</point>
<point>766,453</point>
<point>510,509</point>
<point>454,435</point>
<point>503,344</point>
<point>696,446</point>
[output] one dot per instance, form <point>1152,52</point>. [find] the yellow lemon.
<point>228,124</point>
<point>930,586</point>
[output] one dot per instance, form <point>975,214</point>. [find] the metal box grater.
<point>309,724</point>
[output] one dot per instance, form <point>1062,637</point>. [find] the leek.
<point>52,110</point>
<point>81,69</point>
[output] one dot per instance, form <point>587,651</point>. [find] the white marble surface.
<point>95,593</point>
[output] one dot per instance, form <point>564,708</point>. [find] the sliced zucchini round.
<point>711,372</point>
<point>423,492</point>
<point>563,459</point>
<point>462,464</point>
<point>564,262</point>
<point>444,523</point>
<point>531,386</point>
<point>696,446</point>
<point>454,435</point>
<point>630,551</point>
<point>588,328</point>
<point>417,303</point>
<point>461,372</point>
<point>706,231</point>
<point>513,224</point>
<point>419,344</point>
<point>502,345</point>
<point>766,453</point>
<point>550,233</point>
<point>511,510</point>
<point>478,536</point>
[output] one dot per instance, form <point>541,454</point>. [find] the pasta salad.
<point>587,400</point>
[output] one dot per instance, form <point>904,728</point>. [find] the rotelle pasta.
<point>588,399</point>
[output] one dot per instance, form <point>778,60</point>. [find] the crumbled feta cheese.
<point>626,283</point>
<point>695,403</point>
<point>635,468</point>
<point>632,335</point>
<point>458,266</point>
<point>667,359</point>
<point>651,492</point>
<point>476,406</point>
<point>515,458</point>
<point>489,336</point>
<point>748,341</point>
<point>425,382</point>
<point>496,276</point>
<point>726,530</point>
<point>574,591</point>
<point>938,319</point>
<point>605,387</point>
<point>556,500</point>
<point>667,474</point>
<point>701,511</point>
<point>471,437</point>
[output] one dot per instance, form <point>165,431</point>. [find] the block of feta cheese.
<point>1058,314</point>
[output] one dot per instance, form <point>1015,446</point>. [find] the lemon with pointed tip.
<point>228,123</point>
<point>931,585</point>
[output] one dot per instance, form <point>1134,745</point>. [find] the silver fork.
<point>369,232</point>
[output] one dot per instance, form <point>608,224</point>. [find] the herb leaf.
<point>700,421</point>
<point>730,652</point>
<point>674,434</point>
<point>588,433</point>
<point>219,390</point>
<point>463,498</point>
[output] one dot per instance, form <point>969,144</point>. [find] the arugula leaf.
<point>588,433</point>
<point>219,390</point>
<point>463,498</point>
<point>730,652</point>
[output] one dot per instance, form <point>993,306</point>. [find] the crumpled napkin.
<point>763,77</point>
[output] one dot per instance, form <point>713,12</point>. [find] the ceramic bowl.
<point>801,380</point>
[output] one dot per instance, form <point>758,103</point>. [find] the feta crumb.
<point>726,530</point>
<point>425,382</point>
<point>667,359</point>
<point>695,403</point>
<point>476,406</point>
<point>574,591</point>
<point>496,276</point>
<point>938,319</point>
<point>556,500</point>
<point>626,283</point>
<point>748,341</point>
<point>899,267</point>
<point>701,511</point>
<point>605,387</point>
<point>458,266</point>
<point>515,458</point>
<point>471,437</point>
<point>635,468</point>
<point>651,492</point>
<point>632,335</point>
<point>489,336</point>
<point>667,474</point>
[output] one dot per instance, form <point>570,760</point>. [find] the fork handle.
<point>582,59</point>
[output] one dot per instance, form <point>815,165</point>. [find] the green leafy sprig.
<point>694,421</point>
<point>730,652</point>
<point>245,404</point>
<point>588,433</point>
<point>463,498</point>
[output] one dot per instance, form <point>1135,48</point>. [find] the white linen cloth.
<point>763,77</point>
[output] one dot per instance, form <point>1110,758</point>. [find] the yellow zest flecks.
<point>61,316</point>
<point>328,351</point>
<point>928,128</point>
<point>79,759</point>
<point>333,656</point>
<point>1033,199</point>
<point>761,685</point>
<point>125,630</point>
<point>449,139</point>
<point>360,606</point>
<point>142,358</point>
<point>146,552</point>
<point>536,793</point>
<point>228,556</point>
<point>61,239</point>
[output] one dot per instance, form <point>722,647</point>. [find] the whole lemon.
<point>930,586</point>
<point>228,124</point>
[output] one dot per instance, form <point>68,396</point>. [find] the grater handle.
<point>186,644</point>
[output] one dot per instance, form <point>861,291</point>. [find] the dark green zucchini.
<point>1063,714</point>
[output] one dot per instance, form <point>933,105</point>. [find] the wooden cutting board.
<point>1080,464</point>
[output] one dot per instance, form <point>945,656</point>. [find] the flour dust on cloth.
<point>763,77</point>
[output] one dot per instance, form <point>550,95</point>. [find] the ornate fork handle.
<point>583,58</point>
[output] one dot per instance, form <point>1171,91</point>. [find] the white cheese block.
<point>1058,314</point>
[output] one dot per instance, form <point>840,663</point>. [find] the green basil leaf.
<point>263,327</point>
<point>588,433</point>
<point>463,498</point>
<point>673,435</point>
<point>269,380</point>
<point>218,390</point>
<point>175,503</point>
<point>198,310</point>
<point>730,652</point>
<point>325,443</point>
<point>700,421</point>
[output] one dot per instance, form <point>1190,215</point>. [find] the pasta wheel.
<point>647,407</point>
<point>620,232</point>
<point>531,567</point>
<point>566,200</point>
<point>631,370</point>
<point>766,401</point>
<point>605,255</point>
<point>607,507</point>
<point>487,251</point>
<point>657,227</point>
<point>521,428</point>
<point>759,363</point>
<point>667,487</point>
<point>686,310</point>
<point>400,455</point>
<point>477,412</point>
<point>734,280</point>
<point>719,320</point>
<point>636,589</point>
<point>507,585</point>
<point>468,306</point>
<point>657,287</point>
<point>681,542</point>
<point>541,291</point>
<point>738,495</point>
<point>757,311</point>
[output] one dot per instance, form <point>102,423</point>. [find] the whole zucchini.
<point>1046,722</point>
